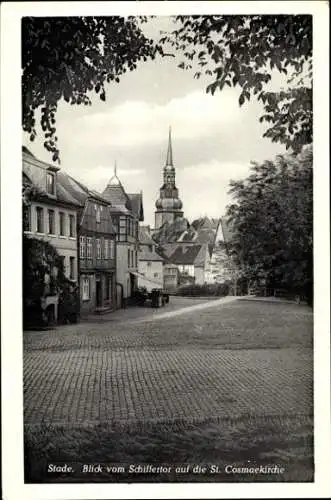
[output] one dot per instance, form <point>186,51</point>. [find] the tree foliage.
<point>70,57</point>
<point>242,51</point>
<point>272,222</point>
<point>40,259</point>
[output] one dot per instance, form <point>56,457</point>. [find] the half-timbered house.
<point>96,247</point>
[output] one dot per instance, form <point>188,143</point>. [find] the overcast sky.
<point>213,139</point>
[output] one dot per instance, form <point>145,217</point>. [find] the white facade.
<point>186,269</point>
<point>150,274</point>
<point>57,226</point>
<point>126,263</point>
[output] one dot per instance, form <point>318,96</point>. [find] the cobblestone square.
<point>232,359</point>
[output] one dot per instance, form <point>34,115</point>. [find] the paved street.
<point>233,358</point>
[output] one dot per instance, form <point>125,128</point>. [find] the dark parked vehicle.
<point>155,298</point>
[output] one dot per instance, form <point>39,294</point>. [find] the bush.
<point>217,290</point>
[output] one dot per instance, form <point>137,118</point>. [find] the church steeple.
<point>169,205</point>
<point>169,153</point>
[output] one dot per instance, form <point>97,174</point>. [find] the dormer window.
<point>50,183</point>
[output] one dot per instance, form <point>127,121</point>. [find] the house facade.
<point>170,276</point>
<point>52,214</point>
<point>222,267</point>
<point>96,247</point>
<point>192,261</point>
<point>126,212</point>
<point>150,263</point>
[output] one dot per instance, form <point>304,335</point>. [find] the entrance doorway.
<point>98,293</point>
<point>133,284</point>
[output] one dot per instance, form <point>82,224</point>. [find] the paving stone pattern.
<point>97,373</point>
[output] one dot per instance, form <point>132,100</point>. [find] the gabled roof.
<point>146,254</point>
<point>30,163</point>
<point>27,151</point>
<point>73,187</point>
<point>185,254</point>
<point>77,190</point>
<point>115,193</point>
<point>63,194</point>
<point>137,205</point>
<point>30,159</point>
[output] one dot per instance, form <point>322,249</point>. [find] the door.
<point>98,293</point>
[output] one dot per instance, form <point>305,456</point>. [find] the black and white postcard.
<point>165,249</point>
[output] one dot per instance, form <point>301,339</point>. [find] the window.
<point>40,219</point>
<point>86,288</point>
<point>129,258</point>
<point>149,264</point>
<point>98,243</point>
<point>50,183</point>
<point>72,268</point>
<point>71,226</point>
<point>111,249</point>
<point>89,248</point>
<point>51,222</point>
<point>82,247</point>
<point>62,223</point>
<point>115,222</point>
<point>123,228</point>
<point>26,218</point>
<point>135,258</point>
<point>156,275</point>
<point>106,249</point>
<point>98,215</point>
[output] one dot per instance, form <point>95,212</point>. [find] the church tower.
<point>168,206</point>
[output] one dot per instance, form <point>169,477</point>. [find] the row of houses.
<point>106,251</point>
<point>96,234</point>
